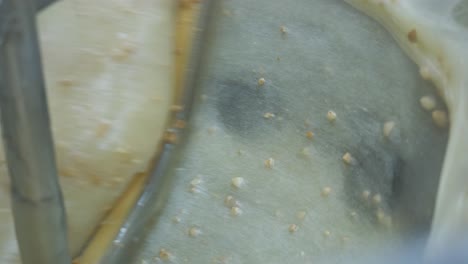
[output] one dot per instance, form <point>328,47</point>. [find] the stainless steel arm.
<point>152,199</point>
<point>37,203</point>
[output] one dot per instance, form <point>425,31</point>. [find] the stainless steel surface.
<point>330,57</point>
<point>37,204</point>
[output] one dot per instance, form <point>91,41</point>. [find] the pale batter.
<point>109,70</point>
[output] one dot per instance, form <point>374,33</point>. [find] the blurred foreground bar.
<point>37,203</point>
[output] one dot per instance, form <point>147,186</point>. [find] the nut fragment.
<point>305,152</point>
<point>194,232</point>
<point>194,189</point>
<point>230,202</point>
<point>261,81</point>
<point>235,211</point>
<point>427,102</point>
<point>176,219</point>
<point>376,199</point>
<point>301,215</point>
<point>268,115</point>
<point>413,36</point>
<point>379,214</point>
<point>195,182</point>
<point>176,108</point>
<point>387,128</point>
<point>194,185</point>
<point>170,137</point>
<point>293,228</point>
<point>164,254</point>
<point>212,130</point>
<point>347,158</point>
<point>440,118</point>
<point>383,218</point>
<point>425,73</point>
<point>180,124</point>
<point>365,194</point>
<point>269,163</point>
<point>326,191</point>
<point>283,30</point>
<point>331,116</point>
<point>66,82</point>
<point>237,182</point>
<point>102,129</point>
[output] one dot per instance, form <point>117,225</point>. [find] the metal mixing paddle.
<point>36,198</point>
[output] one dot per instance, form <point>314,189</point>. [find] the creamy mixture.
<point>108,66</point>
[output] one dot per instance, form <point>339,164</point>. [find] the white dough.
<point>108,69</point>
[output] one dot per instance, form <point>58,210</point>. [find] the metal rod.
<point>36,198</point>
<point>150,202</point>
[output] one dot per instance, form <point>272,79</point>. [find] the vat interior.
<point>330,57</point>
